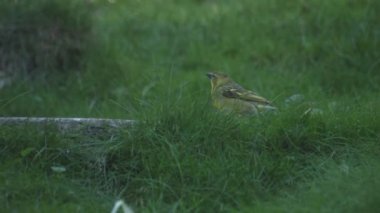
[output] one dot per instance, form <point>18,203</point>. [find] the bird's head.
<point>217,79</point>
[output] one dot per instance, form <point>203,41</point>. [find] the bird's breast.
<point>234,105</point>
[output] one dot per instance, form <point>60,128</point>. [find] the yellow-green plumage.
<point>229,96</point>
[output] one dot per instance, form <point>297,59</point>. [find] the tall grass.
<point>146,61</point>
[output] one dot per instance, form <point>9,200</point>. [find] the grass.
<point>147,61</point>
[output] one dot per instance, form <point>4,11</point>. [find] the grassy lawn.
<point>147,60</point>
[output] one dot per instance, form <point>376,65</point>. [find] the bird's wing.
<point>240,93</point>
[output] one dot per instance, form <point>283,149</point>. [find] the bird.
<point>228,96</point>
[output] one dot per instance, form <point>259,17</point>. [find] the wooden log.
<point>69,124</point>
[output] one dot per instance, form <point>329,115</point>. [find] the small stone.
<point>296,98</point>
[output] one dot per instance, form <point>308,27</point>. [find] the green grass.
<point>147,61</point>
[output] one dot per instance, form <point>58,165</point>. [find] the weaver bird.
<point>228,96</point>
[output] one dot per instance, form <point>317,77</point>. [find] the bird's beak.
<point>210,75</point>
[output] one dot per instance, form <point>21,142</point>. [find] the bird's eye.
<point>210,75</point>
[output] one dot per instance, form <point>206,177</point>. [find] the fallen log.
<point>66,125</point>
